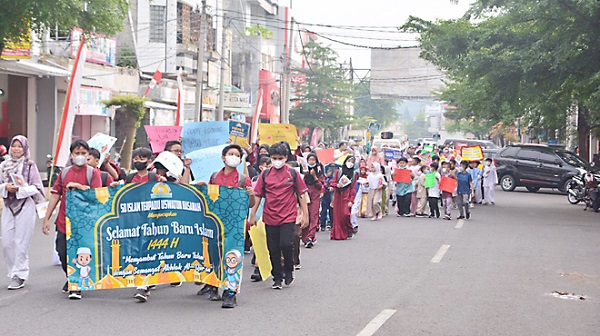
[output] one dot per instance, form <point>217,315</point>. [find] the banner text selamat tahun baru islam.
<point>155,233</point>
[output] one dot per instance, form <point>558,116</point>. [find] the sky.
<point>381,16</point>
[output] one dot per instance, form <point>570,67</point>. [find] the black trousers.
<point>403,203</point>
<point>434,206</point>
<point>280,242</point>
<point>61,248</point>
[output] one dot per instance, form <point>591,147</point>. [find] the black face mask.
<point>140,165</point>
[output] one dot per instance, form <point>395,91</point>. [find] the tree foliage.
<point>382,111</point>
<point>18,17</point>
<point>130,112</point>
<point>509,58</point>
<point>325,97</point>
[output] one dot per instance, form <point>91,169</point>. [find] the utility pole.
<point>285,115</point>
<point>200,63</point>
<point>223,69</point>
<point>166,34</point>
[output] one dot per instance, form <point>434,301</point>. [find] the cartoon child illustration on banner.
<point>83,260</point>
<point>233,260</point>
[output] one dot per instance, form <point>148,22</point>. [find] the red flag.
<point>315,138</point>
<point>179,119</point>
<point>156,79</point>
<point>256,117</point>
<point>71,107</point>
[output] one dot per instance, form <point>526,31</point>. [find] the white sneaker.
<point>16,283</point>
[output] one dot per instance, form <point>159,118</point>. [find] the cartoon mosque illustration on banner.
<point>199,272</point>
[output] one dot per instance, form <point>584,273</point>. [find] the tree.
<point>382,111</point>
<point>17,18</point>
<point>130,112</point>
<point>532,59</point>
<point>417,127</point>
<point>325,97</point>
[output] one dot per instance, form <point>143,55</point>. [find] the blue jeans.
<point>326,209</point>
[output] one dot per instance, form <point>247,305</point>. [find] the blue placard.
<point>239,129</point>
<point>206,161</point>
<point>200,135</point>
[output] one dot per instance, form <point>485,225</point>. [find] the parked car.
<point>483,143</point>
<point>490,153</point>
<point>537,166</point>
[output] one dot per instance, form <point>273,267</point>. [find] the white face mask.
<point>79,160</point>
<point>232,161</point>
<point>444,170</point>
<point>350,165</point>
<point>488,163</point>
<point>278,164</point>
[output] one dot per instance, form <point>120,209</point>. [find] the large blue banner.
<point>155,233</point>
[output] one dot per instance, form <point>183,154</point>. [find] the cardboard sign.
<point>427,149</point>
<point>159,135</point>
<point>473,153</point>
<point>258,235</point>
<point>402,175</point>
<point>430,180</point>
<point>206,134</point>
<point>448,184</point>
<point>18,180</point>
<point>238,133</point>
<point>103,143</point>
<point>273,133</point>
<point>325,156</point>
<point>206,161</point>
<point>391,153</point>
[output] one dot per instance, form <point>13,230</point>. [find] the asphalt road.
<point>491,275</point>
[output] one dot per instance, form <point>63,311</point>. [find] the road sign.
<point>374,127</point>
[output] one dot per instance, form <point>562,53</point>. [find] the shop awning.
<point>241,110</point>
<point>28,69</point>
<point>159,106</point>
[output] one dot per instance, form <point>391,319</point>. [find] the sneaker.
<point>76,295</point>
<point>247,250</point>
<point>214,294</point>
<point>447,217</point>
<point>229,300</point>
<point>472,205</point>
<point>175,284</point>
<point>289,278</point>
<point>254,277</point>
<point>297,267</point>
<point>380,216</point>
<point>65,288</point>
<point>374,218</point>
<point>206,289</point>
<point>355,230</point>
<point>460,217</point>
<point>277,284</point>
<point>309,243</point>
<point>16,283</point>
<point>141,294</point>
<point>350,235</point>
<point>398,215</point>
<point>421,216</point>
<point>328,227</point>
<point>468,215</point>
<point>406,215</point>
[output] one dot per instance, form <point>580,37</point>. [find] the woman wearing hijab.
<point>374,157</point>
<point>314,179</point>
<point>21,187</point>
<point>375,183</point>
<point>343,185</point>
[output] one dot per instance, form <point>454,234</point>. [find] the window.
<point>509,152</point>
<point>548,157</point>
<point>528,154</point>
<point>157,24</point>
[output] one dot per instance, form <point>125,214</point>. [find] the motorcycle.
<point>52,172</point>
<point>585,188</point>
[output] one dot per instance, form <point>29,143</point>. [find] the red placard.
<point>325,155</point>
<point>402,175</point>
<point>448,184</point>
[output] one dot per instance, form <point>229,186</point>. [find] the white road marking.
<point>460,224</point>
<point>376,322</point>
<point>440,254</point>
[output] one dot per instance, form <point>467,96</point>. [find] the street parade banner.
<point>273,133</point>
<point>155,233</point>
<point>391,153</point>
<point>474,153</point>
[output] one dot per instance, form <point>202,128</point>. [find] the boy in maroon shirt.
<point>282,190</point>
<point>229,177</point>
<point>76,177</point>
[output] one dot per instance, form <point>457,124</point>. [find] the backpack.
<point>104,178</point>
<point>263,177</point>
<point>89,173</point>
<point>151,177</point>
<point>241,179</point>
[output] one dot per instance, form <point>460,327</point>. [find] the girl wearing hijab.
<point>314,178</point>
<point>374,157</point>
<point>375,182</point>
<point>343,185</point>
<point>18,217</point>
